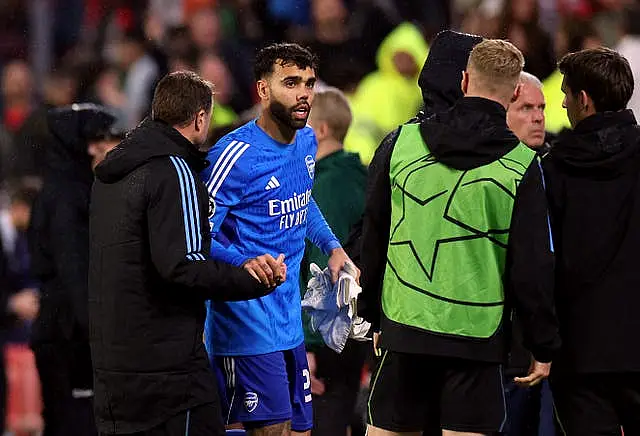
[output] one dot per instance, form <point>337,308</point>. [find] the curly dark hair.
<point>285,54</point>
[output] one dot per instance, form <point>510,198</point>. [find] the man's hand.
<point>537,372</point>
<point>336,263</point>
<point>317,385</point>
<point>25,304</point>
<point>376,340</point>
<point>267,270</point>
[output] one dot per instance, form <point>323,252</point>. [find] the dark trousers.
<point>597,404</point>
<point>66,379</point>
<point>341,373</point>
<point>529,410</point>
<point>200,421</point>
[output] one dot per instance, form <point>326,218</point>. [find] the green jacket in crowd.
<point>339,190</point>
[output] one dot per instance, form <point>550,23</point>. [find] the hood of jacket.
<point>151,139</point>
<point>471,134</point>
<point>442,72</point>
<point>600,144</point>
<point>404,38</point>
<point>70,128</point>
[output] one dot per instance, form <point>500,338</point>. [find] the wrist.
<point>334,247</point>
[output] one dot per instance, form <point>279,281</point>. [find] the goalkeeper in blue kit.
<point>259,181</point>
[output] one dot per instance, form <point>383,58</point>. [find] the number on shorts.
<point>307,379</point>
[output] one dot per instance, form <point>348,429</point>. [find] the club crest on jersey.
<point>212,207</point>
<point>311,165</point>
<point>250,401</point>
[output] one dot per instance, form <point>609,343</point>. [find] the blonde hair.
<point>495,65</point>
<point>331,106</point>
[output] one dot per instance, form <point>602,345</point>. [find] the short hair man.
<point>441,293</point>
<point>592,185</point>
<point>150,272</point>
<point>525,116</point>
<point>260,180</point>
<point>339,189</point>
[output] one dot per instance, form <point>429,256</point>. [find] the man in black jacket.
<point>438,371</point>
<point>593,186</point>
<point>150,273</point>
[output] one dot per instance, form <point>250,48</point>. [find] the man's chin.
<point>298,123</point>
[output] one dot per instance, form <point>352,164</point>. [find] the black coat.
<point>593,186</point>
<point>150,275</point>
<point>59,233</point>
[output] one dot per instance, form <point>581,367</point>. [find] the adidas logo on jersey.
<point>273,184</point>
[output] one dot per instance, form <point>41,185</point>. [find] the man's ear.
<point>322,130</point>
<point>263,89</point>
<point>464,83</point>
<point>516,92</point>
<point>586,103</point>
<point>199,121</point>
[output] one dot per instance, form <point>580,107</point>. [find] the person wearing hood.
<point>59,246</point>
<point>389,96</point>
<point>339,190</point>
<point>451,266</point>
<point>593,186</point>
<point>151,273</point>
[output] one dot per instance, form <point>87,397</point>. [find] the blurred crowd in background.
<point>55,53</point>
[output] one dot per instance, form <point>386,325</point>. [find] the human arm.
<point>374,240</point>
<point>530,271</point>
<point>177,241</point>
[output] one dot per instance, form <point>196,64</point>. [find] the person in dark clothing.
<point>59,245</point>
<point>593,186</point>
<point>150,273</point>
<point>441,367</point>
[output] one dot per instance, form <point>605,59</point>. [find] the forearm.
<point>318,231</point>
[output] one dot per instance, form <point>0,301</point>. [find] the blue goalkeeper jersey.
<point>260,203</point>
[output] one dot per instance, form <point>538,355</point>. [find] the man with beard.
<point>259,181</point>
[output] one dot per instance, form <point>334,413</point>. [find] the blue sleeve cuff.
<point>331,245</point>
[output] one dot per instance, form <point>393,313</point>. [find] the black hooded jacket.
<point>593,186</point>
<point>59,230</point>
<point>150,274</point>
<point>471,134</point>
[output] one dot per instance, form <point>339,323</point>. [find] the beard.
<point>286,116</point>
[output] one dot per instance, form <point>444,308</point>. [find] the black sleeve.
<point>375,231</point>
<point>176,240</point>
<point>530,267</point>
<point>353,244</point>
